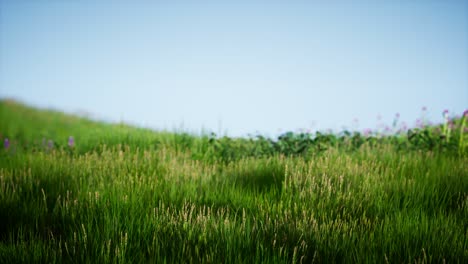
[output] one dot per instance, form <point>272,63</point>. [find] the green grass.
<point>124,194</point>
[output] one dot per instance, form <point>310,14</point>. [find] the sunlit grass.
<point>121,194</point>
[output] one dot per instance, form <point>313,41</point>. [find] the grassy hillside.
<point>73,190</point>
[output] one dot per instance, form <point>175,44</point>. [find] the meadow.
<point>74,190</point>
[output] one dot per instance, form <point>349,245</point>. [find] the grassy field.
<point>78,191</point>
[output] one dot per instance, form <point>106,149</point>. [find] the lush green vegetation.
<point>114,193</point>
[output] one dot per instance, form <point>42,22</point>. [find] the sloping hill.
<point>124,194</point>
<point>30,126</point>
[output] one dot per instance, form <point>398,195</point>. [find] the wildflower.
<point>71,142</point>
<point>445,112</point>
<point>451,124</point>
<point>367,132</point>
<point>424,109</point>
<point>6,143</point>
<point>419,123</point>
<point>404,126</point>
<point>50,144</point>
<point>465,114</point>
<point>395,121</point>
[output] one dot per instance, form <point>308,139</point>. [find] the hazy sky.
<point>240,67</point>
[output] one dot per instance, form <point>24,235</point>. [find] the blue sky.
<point>240,67</point>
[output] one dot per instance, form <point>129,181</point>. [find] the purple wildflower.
<point>367,132</point>
<point>451,124</point>
<point>6,143</point>
<point>397,115</point>
<point>404,126</point>
<point>424,109</point>
<point>446,111</point>
<point>50,144</point>
<point>465,114</point>
<point>418,122</point>
<point>71,142</point>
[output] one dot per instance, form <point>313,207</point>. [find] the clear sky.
<point>239,67</point>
